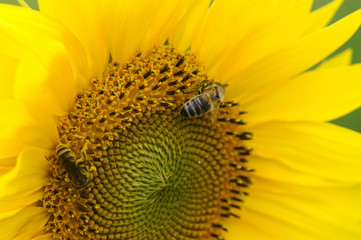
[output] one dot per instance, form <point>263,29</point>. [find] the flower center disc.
<point>153,174</point>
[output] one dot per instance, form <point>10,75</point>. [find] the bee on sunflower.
<point>178,120</point>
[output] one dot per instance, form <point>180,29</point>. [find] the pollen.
<point>153,174</point>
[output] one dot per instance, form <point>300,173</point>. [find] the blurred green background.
<point>352,120</point>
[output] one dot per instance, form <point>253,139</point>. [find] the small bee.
<point>79,175</point>
<point>208,99</point>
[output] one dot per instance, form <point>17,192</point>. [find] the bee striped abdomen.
<point>195,107</point>
<point>209,97</point>
<point>78,175</point>
<point>65,154</point>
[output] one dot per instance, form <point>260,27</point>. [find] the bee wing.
<point>214,112</point>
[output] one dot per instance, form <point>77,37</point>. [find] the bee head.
<point>219,94</point>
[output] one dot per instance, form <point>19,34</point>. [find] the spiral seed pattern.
<point>156,174</point>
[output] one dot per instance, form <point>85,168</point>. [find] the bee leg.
<point>204,84</point>
<point>80,161</point>
<point>91,169</point>
<point>58,177</point>
<point>62,174</point>
<point>83,150</point>
<point>193,91</point>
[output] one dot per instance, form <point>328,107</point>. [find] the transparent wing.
<point>214,112</point>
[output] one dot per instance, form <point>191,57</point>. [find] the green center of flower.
<point>146,171</point>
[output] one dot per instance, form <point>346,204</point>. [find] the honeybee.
<point>209,97</point>
<point>79,175</point>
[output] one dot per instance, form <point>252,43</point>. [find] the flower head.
<point>177,120</point>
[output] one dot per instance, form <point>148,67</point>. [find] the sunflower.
<point>114,126</point>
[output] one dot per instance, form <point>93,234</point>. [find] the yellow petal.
<point>188,26</point>
<point>319,149</point>
<point>34,234</point>
<point>291,60</point>
<point>6,164</point>
<point>37,44</point>
<point>48,236</point>
<point>340,60</point>
<point>30,219</point>
<point>276,170</point>
<point>7,214</point>
<point>322,16</point>
<point>29,175</point>
<point>222,24</point>
<point>7,75</point>
<point>319,95</point>
<point>47,80</point>
<point>247,32</point>
<point>293,212</point>
<point>11,204</point>
<point>83,19</point>
<point>133,26</point>
<point>24,125</point>
<point>254,225</point>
